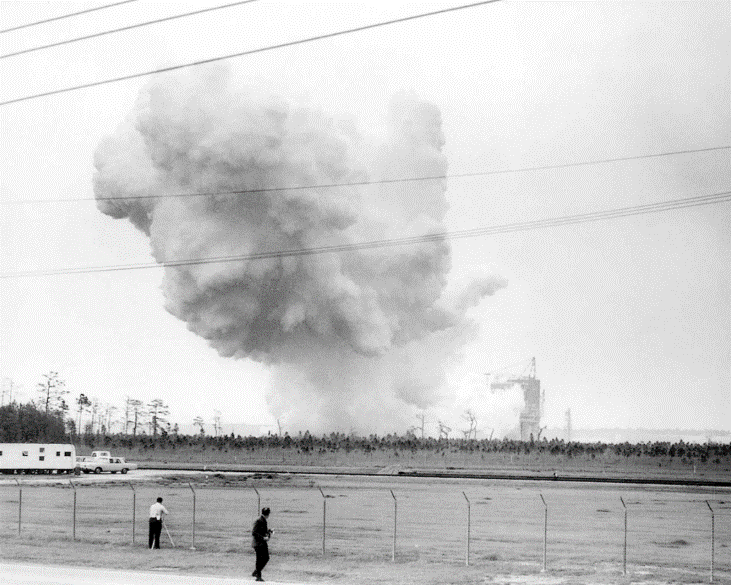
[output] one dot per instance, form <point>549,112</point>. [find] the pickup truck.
<point>103,461</point>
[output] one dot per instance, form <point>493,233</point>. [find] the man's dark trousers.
<point>155,530</point>
<point>262,557</point>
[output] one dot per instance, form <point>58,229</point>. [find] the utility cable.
<point>251,52</point>
<point>715,198</point>
<point>375,182</point>
<point>65,16</point>
<point>124,28</point>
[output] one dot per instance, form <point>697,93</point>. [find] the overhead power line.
<point>65,16</point>
<point>688,202</point>
<point>251,52</point>
<point>124,28</point>
<point>375,182</point>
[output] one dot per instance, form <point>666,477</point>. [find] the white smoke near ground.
<point>496,411</point>
<point>355,341</point>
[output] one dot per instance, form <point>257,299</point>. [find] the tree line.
<point>87,415</point>
<point>52,416</point>
<point>142,426</point>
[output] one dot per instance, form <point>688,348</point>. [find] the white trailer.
<point>37,458</point>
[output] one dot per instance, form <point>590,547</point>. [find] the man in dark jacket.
<point>259,536</point>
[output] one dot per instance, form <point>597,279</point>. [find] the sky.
<point>629,320</point>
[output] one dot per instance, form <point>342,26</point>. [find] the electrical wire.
<point>124,28</point>
<point>251,52</point>
<point>684,203</point>
<point>376,182</point>
<point>66,16</point>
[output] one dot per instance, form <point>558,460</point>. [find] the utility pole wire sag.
<point>723,197</point>
<point>251,52</point>
<point>66,16</point>
<point>366,183</point>
<point>124,28</point>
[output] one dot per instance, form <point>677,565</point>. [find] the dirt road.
<point>17,574</point>
<point>21,574</point>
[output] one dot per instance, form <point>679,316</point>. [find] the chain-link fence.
<point>473,523</point>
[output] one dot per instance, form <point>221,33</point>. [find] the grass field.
<point>452,457</point>
<point>669,529</point>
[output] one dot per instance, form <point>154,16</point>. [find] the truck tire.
<point>98,470</point>
<point>125,470</point>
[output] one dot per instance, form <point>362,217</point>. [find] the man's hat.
<point>265,511</point>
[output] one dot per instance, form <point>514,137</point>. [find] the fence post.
<point>624,556</point>
<point>713,537</point>
<point>467,553</point>
<point>395,516</point>
<point>20,504</point>
<point>258,503</point>
<point>324,518</point>
<point>74,523</point>
<point>192,546</point>
<point>545,532</point>
<point>134,510</point>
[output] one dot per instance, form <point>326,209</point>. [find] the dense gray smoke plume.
<point>355,341</point>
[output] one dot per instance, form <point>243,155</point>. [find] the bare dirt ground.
<point>669,528</point>
<point>20,574</point>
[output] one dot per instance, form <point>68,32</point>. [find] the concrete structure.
<point>530,417</point>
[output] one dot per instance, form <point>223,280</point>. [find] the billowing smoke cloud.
<point>477,290</point>
<point>355,341</point>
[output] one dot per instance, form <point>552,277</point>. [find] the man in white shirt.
<point>157,511</point>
